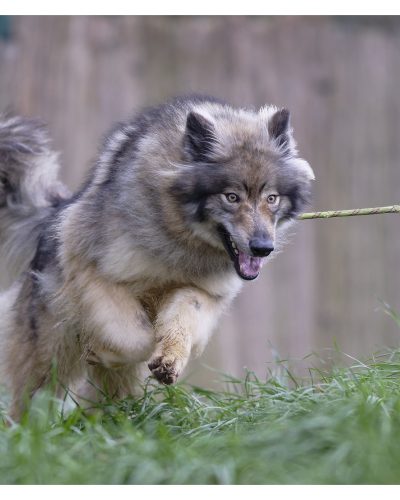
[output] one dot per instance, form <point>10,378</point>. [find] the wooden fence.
<point>340,77</point>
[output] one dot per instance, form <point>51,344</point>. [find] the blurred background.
<point>339,76</point>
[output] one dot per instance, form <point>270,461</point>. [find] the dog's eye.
<point>273,199</point>
<point>232,197</point>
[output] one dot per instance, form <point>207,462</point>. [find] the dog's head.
<point>241,180</point>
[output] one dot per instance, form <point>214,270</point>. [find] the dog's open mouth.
<point>247,266</point>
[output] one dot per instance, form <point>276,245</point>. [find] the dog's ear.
<point>279,128</point>
<point>304,168</point>
<point>199,137</point>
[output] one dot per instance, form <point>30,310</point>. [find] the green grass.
<point>345,428</point>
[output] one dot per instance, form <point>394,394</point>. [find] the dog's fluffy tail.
<point>29,191</point>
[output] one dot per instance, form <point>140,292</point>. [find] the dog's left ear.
<point>199,137</point>
<point>304,168</point>
<point>279,128</point>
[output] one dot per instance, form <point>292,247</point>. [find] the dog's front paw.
<point>165,369</point>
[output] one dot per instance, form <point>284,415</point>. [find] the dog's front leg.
<point>116,330</point>
<point>185,320</point>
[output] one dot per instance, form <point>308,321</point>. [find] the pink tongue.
<point>249,266</point>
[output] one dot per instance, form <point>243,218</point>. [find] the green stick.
<point>394,209</point>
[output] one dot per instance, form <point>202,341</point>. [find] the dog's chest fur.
<point>151,281</point>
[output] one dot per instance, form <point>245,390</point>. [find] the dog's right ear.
<point>279,128</point>
<point>199,137</point>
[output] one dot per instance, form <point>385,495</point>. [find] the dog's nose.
<point>261,247</point>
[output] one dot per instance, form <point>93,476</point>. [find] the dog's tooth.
<point>233,244</point>
<point>236,251</point>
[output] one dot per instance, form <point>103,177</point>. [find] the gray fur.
<point>28,191</point>
<point>137,266</point>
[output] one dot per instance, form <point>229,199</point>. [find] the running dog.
<point>185,203</point>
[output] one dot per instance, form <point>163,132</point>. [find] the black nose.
<point>261,247</point>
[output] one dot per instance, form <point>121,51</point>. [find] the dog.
<point>131,273</point>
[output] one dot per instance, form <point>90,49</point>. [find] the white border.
<point>104,492</point>
<point>203,7</point>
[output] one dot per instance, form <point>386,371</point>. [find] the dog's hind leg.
<point>28,369</point>
<point>19,369</point>
<point>102,384</point>
<point>23,391</point>
<point>185,320</point>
